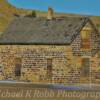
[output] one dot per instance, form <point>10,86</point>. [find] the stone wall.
<point>66,68</point>
<point>34,62</point>
<point>76,47</point>
<point>94,45</point>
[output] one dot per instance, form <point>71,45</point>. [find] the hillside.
<point>7,11</point>
<point>96,21</point>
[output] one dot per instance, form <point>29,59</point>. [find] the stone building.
<point>50,50</point>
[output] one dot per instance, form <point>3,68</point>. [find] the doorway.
<point>85,70</point>
<point>49,69</point>
<point>18,66</point>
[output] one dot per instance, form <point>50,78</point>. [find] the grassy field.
<point>6,13</point>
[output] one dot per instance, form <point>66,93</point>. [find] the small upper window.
<point>85,39</point>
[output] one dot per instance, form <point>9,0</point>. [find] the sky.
<point>84,7</point>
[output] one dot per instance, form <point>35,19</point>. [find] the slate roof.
<point>30,30</point>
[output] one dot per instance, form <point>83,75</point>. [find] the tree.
<point>33,13</point>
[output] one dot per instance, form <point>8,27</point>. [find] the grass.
<point>7,12</point>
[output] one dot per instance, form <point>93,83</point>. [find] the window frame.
<point>85,39</point>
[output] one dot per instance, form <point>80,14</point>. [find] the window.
<point>49,68</point>
<point>99,55</point>
<point>85,67</point>
<point>85,39</point>
<point>1,68</point>
<point>18,65</point>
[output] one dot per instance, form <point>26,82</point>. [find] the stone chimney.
<point>50,13</point>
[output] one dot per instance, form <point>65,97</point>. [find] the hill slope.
<point>7,11</point>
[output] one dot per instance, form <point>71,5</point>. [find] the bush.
<point>33,14</point>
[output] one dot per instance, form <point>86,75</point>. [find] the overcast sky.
<point>86,7</point>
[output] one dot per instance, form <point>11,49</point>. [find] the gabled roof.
<point>30,30</point>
